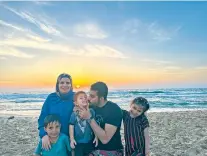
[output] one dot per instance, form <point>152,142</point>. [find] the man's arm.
<point>111,123</point>
<point>103,135</point>
<point>147,141</point>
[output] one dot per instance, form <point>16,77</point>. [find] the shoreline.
<point>35,113</point>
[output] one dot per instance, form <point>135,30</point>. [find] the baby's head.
<point>81,99</point>
<point>52,125</point>
<point>138,106</point>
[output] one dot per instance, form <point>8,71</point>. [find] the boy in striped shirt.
<point>136,126</point>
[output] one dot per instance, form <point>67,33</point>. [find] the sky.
<point>125,44</point>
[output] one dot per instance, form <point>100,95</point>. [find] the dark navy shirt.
<point>111,114</point>
<point>134,133</point>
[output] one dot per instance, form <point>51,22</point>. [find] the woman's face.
<point>64,85</point>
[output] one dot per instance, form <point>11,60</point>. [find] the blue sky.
<point>166,39</point>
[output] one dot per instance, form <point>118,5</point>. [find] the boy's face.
<point>53,129</point>
<point>82,100</point>
<point>135,110</point>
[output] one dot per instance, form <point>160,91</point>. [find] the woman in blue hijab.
<point>59,103</point>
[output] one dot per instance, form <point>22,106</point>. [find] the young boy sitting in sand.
<point>136,126</point>
<point>81,134</point>
<point>60,145</point>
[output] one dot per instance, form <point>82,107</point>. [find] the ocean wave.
<point>20,100</point>
<point>28,100</point>
<point>17,96</point>
<point>146,92</point>
<point>165,98</point>
<point>175,109</point>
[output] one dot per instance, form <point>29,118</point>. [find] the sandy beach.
<point>172,134</point>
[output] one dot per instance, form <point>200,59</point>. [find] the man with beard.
<point>107,122</point>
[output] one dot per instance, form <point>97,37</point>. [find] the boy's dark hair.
<point>51,118</point>
<point>101,88</point>
<point>77,94</point>
<point>141,101</point>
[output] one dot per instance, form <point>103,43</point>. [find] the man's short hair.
<point>101,88</point>
<point>51,118</point>
<point>141,101</point>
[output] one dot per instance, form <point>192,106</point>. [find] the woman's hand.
<point>46,143</point>
<point>72,143</point>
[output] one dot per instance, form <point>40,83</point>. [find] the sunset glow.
<point>137,44</point>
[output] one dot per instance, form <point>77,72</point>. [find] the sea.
<point>29,101</point>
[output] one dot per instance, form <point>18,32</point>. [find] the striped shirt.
<point>134,133</point>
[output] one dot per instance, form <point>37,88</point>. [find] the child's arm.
<point>38,149</point>
<point>67,143</point>
<point>71,130</point>
<point>72,140</point>
<point>147,141</point>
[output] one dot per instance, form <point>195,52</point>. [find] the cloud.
<point>27,43</point>
<point>156,62</point>
<point>133,26</point>
<point>16,39</point>
<point>89,30</point>
<point>46,27</point>
<point>172,68</point>
<point>38,38</point>
<point>162,65</point>
<point>26,33</point>
<point>201,68</point>
<point>150,31</point>
<point>159,33</point>
<point>8,51</point>
<point>41,3</point>
<point>88,50</point>
<point>102,51</point>
<point>2,58</point>
<point>11,25</point>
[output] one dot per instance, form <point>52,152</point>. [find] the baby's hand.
<point>95,141</point>
<point>72,144</point>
